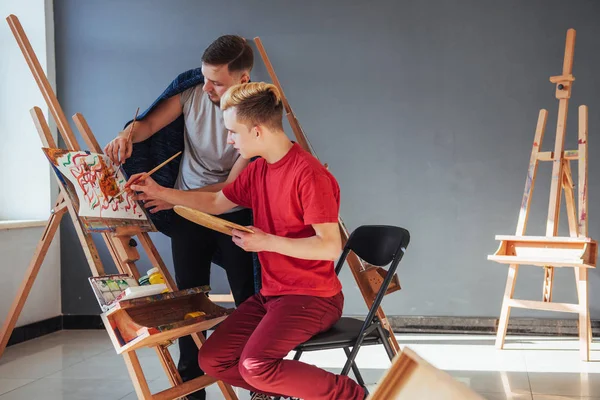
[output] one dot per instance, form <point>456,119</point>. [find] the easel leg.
<point>87,243</point>
<point>585,333</point>
<point>227,390</point>
<point>168,365</point>
<point>548,281</point>
<point>137,375</point>
<point>31,274</point>
<point>386,325</point>
<point>513,270</point>
<point>156,259</point>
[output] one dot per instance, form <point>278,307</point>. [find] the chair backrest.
<point>378,244</point>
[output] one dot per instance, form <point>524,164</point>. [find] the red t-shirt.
<point>286,198</point>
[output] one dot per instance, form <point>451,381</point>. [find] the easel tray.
<point>543,251</point>
<point>153,320</point>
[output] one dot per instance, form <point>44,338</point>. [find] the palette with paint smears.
<point>209,221</point>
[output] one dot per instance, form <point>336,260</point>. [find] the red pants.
<point>248,348</point>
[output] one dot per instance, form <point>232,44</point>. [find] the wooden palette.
<point>209,221</point>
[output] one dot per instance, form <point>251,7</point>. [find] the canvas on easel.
<point>578,250</point>
<point>121,231</point>
<point>91,181</point>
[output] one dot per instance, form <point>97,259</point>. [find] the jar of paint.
<point>154,276</point>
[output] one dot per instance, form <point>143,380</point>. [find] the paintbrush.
<point>133,125</point>
<point>147,174</point>
<point>129,134</point>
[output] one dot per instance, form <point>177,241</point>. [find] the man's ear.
<point>245,78</point>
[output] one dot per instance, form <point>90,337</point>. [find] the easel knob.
<point>132,242</point>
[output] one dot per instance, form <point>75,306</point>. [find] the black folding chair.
<point>379,245</point>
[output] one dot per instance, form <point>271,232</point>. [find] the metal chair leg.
<point>297,355</point>
<point>385,342</point>
<point>352,356</point>
<point>355,370</point>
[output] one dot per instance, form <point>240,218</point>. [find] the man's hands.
<point>119,149</point>
<point>252,242</point>
<point>324,245</point>
<point>156,205</point>
<point>167,111</point>
<point>150,191</point>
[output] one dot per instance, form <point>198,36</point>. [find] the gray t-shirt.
<point>207,158</point>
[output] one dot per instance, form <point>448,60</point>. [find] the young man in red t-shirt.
<point>295,203</point>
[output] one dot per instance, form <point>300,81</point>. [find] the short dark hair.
<point>232,50</point>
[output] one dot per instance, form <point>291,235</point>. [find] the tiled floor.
<point>75,365</point>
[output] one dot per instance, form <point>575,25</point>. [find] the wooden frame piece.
<point>368,281</point>
<point>120,242</point>
<point>543,251</point>
<point>411,377</point>
<point>577,251</point>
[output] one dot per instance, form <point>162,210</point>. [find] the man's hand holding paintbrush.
<point>120,148</point>
<point>142,181</point>
<point>149,190</point>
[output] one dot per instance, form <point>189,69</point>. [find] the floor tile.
<point>546,397</point>
<point>40,364</point>
<point>565,384</point>
<point>212,392</point>
<point>109,366</point>
<point>496,382</point>
<point>6,385</point>
<point>71,389</point>
<point>506,396</point>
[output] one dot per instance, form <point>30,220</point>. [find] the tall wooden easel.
<point>577,251</point>
<point>121,244</point>
<point>368,278</point>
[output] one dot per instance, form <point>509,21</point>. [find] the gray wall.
<point>425,112</point>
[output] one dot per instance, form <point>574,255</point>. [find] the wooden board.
<point>546,251</point>
<point>410,378</point>
<point>209,221</point>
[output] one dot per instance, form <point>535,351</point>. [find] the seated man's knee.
<point>211,360</point>
<point>256,371</point>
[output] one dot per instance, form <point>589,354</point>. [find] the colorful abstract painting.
<point>93,181</point>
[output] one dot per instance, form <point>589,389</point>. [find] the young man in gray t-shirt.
<point>208,164</point>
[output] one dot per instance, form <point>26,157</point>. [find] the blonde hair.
<point>255,103</point>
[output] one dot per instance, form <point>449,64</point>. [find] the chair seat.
<point>343,334</point>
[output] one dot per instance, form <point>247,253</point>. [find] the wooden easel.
<point>577,251</point>
<point>368,277</point>
<point>120,242</point>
